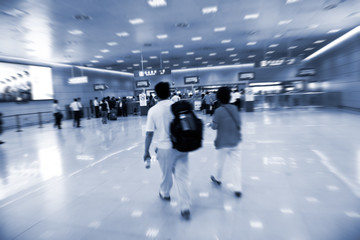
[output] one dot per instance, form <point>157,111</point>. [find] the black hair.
<point>162,90</point>
<point>223,95</point>
<point>55,101</point>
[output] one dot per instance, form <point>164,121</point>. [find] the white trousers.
<point>232,155</point>
<point>175,163</point>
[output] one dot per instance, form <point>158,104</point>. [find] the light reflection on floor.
<point>300,172</point>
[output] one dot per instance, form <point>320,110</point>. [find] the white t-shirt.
<point>175,98</point>
<point>75,106</point>
<point>158,121</point>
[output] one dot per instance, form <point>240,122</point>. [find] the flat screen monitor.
<point>142,83</point>
<point>246,75</point>
<point>306,72</point>
<point>191,80</point>
<point>20,82</point>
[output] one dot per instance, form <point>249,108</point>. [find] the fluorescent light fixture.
<point>233,55</point>
<point>237,66</point>
<point>292,1</point>
<point>278,35</point>
<point>319,41</point>
<point>208,10</point>
<point>334,43</point>
<point>153,57</point>
<point>251,43</point>
<point>198,58</point>
<point>148,67</point>
<point>164,52</point>
<point>190,53</point>
<point>136,51</point>
<point>166,61</point>
<point>104,50</point>
<point>212,54</point>
<point>94,61</point>
<point>122,34</point>
<point>270,52</point>
<point>283,22</point>
<point>196,38</point>
<point>178,46</point>
<point>175,65</point>
<point>98,56</point>
<point>112,43</point>
<point>309,49</point>
<point>136,64</point>
<point>78,80</point>
<point>221,62</point>
<point>293,47</point>
<point>235,59</point>
<point>230,49</point>
<point>251,16</point>
<point>219,29</point>
<point>162,36</point>
<point>226,41</point>
<point>186,61</point>
<point>313,26</point>
<point>264,83</point>
<point>251,56</point>
<point>136,21</point>
<point>119,61</point>
<point>334,30</point>
<point>205,62</point>
<point>75,32</point>
<point>157,3</point>
<point>273,45</point>
<point>129,68</point>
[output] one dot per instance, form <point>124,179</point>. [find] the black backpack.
<point>186,129</point>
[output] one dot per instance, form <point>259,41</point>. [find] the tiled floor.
<point>301,174</point>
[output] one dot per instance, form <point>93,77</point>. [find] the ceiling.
<point>119,34</point>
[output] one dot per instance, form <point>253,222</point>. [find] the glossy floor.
<point>301,174</point>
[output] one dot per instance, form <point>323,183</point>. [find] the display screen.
<point>246,75</point>
<point>100,87</point>
<point>191,80</point>
<point>142,83</point>
<point>19,82</point>
<point>152,72</point>
<point>306,72</point>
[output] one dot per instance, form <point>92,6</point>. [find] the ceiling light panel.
<point>292,1</point>
<point>122,34</point>
<point>319,41</point>
<point>178,46</point>
<point>251,43</point>
<point>293,47</point>
<point>208,10</point>
<point>164,52</point>
<point>334,30</point>
<point>273,45</point>
<point>111,44</point>
<point>153,57</point>
<point>198,58</point>
<point>251,56</point>
<point>233,55</point>
<point>157,3</point>
<point>104,50</point>
<point>196,38</point>
<point>119,61</point>
<point>190,53</point>
<point>136,21</point>
<point>226,41</point>
<point>309,49</point>
<point>98,56</point>
<point>283,22</point>
<point>220,29</point>
<point>162,36</point>
<point>313,26</point>
<point>212,54</point>
<point>136,51</point>
<point>230,49</point>
<point>251,16</point>
<point>75,32</point>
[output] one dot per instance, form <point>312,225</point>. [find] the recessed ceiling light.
<point>251,56</point>
<point>104,50</point>
<point>293,47</point>
<point>165,52</point>
<point>283,22</point>
<point>157,3</point>
<point>319,41</point>
<point>269,52</point>
<point>98,56</point>
<point>251,43</point>
<point>198,58</point>
<point>277,35</point>
<point>149,67</point>
<point>205,62</point>
<point>334,30</point>
<point>75,32</point>
<point>312,26</point>
<point>196,38</point>
<point>144,61</point>
<point>226,41</point>
<point>309,49</point>
<point>190,53</point>
<point>129,67</point>
<point>94,61</point>
<point>221,62</point>
<point>112,43</point>
<point>136,21</point>
<point>212,54</point>
<point>119,61</point>
<point>178,46</point>
<point>251,16</point>
<point>153,57</point>
<point>186,61</point>
<point>219,29</point>
<point>136,64</point>
<point>122,34</point>
<point>208,10</point>
<point>233,55</point>
<point>166,61</point>
<point>273,45</point>
<point>230,49</point>
<point>235,59</point>
<point>292,1</point>
<point>175,65</point>
<point>162,36</point>
<point>136,51</point>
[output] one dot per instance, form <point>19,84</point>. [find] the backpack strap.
<point>237,126</point>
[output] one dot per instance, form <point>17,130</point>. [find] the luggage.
<point>113,114</point>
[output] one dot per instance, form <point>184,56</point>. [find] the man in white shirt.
<point>97,107</point>
<point>175,98</point>
<point>171,161</point>
<point>76,107</point>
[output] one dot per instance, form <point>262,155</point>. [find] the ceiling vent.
<point>81,17</point>
<point>147,44</point>
<point>182,25</point>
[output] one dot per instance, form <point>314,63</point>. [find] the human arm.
<point>148,140</point>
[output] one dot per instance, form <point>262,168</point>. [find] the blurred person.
<point>57,114</point>
<point>236,99</point>
<point>105,109</point>
<point>226,121</point>
<point>75,106</point>
<point>1,126</point>
<point>124,107</point>
<point>97,107</point>
<point>175,98</point>
<point>81,108</point>
<point>152,101</point>
<point>207,102</point>
<point>172,162</point>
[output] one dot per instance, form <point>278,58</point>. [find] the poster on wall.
<point>20,82</point>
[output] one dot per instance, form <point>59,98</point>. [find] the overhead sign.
<point>78,80</point>
<point>191,80</point>
<point>277,62</point>
<point>152,72</point>
<point>100,87</point>
<point>306,72</point>
<point>246,75</point>
<point>142,83</point>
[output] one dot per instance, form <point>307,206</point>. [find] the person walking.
<point>226,121</point>
<point>172,162</point>
<point>1,126</point>
<point>75,106</point>
<point>57,114</point>
<point>104,107</point>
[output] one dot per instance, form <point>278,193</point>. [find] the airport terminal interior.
<point>293,67</point>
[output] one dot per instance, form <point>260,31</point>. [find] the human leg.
<point>181,176</point>
<point>235,161</point>
<point>221,156</point>
<point>166,164</point>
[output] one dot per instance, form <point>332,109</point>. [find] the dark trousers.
<point>97,111</point>
<point>77,116</point>
<point>57,120</point>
